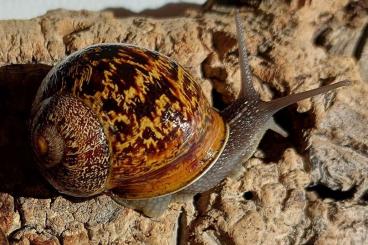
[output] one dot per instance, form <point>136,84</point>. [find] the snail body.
<point>124,120</point>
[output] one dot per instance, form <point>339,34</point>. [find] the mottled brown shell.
<point>160,130</point>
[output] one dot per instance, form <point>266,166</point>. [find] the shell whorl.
<point>70,146</point>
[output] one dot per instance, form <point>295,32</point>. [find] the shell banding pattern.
<point>161,131</point>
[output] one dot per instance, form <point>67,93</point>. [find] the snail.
<point>133,123</point>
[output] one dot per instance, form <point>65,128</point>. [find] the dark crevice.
<point>327,80</point>
<point>167,11</point>
<point>364,197</point>
<point>311,241</point>
<point>75,199</point>
<point>273,145</point>
<point>89,232</point>
<point>356,6</point>
<point>224,237</point>
<point>321,37</point>
<point>296,123</point>
<point>18,207</point>
<point>325,192</point>
<point>196,198</point>
<point>264,51</point>
<point>361,43</point>
<point>210,4</point>
<point>356,9</point>
<point>19,175</point>
<point>201,201</point>
<point>197,202</point>
<point>182,232</point>
<point>218,102</point>
<point>248,195</point>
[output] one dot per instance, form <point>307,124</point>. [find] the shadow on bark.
<point>18,173</point>
<point>166,11</point>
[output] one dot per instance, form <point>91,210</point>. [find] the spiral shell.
<point>159,130</point>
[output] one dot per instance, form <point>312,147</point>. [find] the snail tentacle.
<point>275,105</point>
<point>247,89</point>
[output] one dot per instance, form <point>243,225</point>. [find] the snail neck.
<point>247,125</point>
<point>248,122</point>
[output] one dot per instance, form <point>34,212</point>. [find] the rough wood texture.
<point>308,188</point>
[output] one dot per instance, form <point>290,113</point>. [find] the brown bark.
<point>309,187</point>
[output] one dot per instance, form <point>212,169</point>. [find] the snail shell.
<point>119,117</point>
